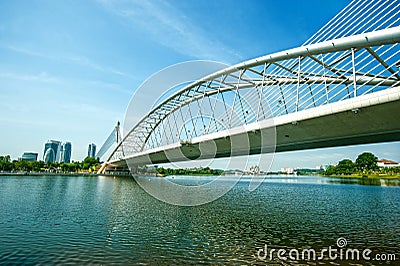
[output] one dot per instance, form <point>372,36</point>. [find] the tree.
<point>5,163</point>
<point>75,166</point>
<point>366,161</point>
<point>161,171</point>
<point>22,165</point>
<point>37,166</point>
<point>89,162</point>
<point>331,170</point>
<point>52,166</point>
<point>65,167</point>
<point>345,167</point>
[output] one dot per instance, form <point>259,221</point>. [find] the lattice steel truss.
<point>356,53</point>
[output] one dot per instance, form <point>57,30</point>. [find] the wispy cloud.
<point>41,77</point>
<point>26,51</point>
<point>84,61</point>
<point>168,26</point>
<point>80,60</point>
<point>45,78</point>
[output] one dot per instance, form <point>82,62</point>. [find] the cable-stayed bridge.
<point>341,87</point>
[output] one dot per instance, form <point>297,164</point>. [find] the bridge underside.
<point>366,119</point>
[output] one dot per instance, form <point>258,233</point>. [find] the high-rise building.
<point>91,150</point>
<point>66,152</point>
<point>52,151</point>
<point>61,153</point>
<point>29,156</point>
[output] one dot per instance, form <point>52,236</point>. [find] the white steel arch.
<point>348,82</point>
<point>354,54</point>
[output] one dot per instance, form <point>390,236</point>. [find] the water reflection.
<point>365,181</point>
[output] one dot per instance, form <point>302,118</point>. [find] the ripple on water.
<point>75,220</point>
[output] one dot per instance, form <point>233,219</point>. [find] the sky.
<point>69,68</point>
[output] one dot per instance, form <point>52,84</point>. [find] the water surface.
<point>105,220</point>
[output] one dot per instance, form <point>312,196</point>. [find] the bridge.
<point>341,87</point>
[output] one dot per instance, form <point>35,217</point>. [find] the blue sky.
<point>69,68</point>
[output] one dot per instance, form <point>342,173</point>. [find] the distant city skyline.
<point>68,70</point>
<point>323,157</point>
<point>56,151</point>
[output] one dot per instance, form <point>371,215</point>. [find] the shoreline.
<point>57,174</point>
<point>368,177</point>
<point>353,176</point>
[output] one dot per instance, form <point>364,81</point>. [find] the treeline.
<point>88,164</point>
<point>366,163</point>
<point>309,171</point>
<point>195,171</point>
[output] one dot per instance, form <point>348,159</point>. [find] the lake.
<point>105,220</point>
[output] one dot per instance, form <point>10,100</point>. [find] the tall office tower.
<point>91,150</point>
<point>67,150</point>
<point>52,150</point>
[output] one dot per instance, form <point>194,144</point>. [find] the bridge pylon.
<point>112,141</point>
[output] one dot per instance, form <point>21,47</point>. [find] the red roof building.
<point>387,163</point>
